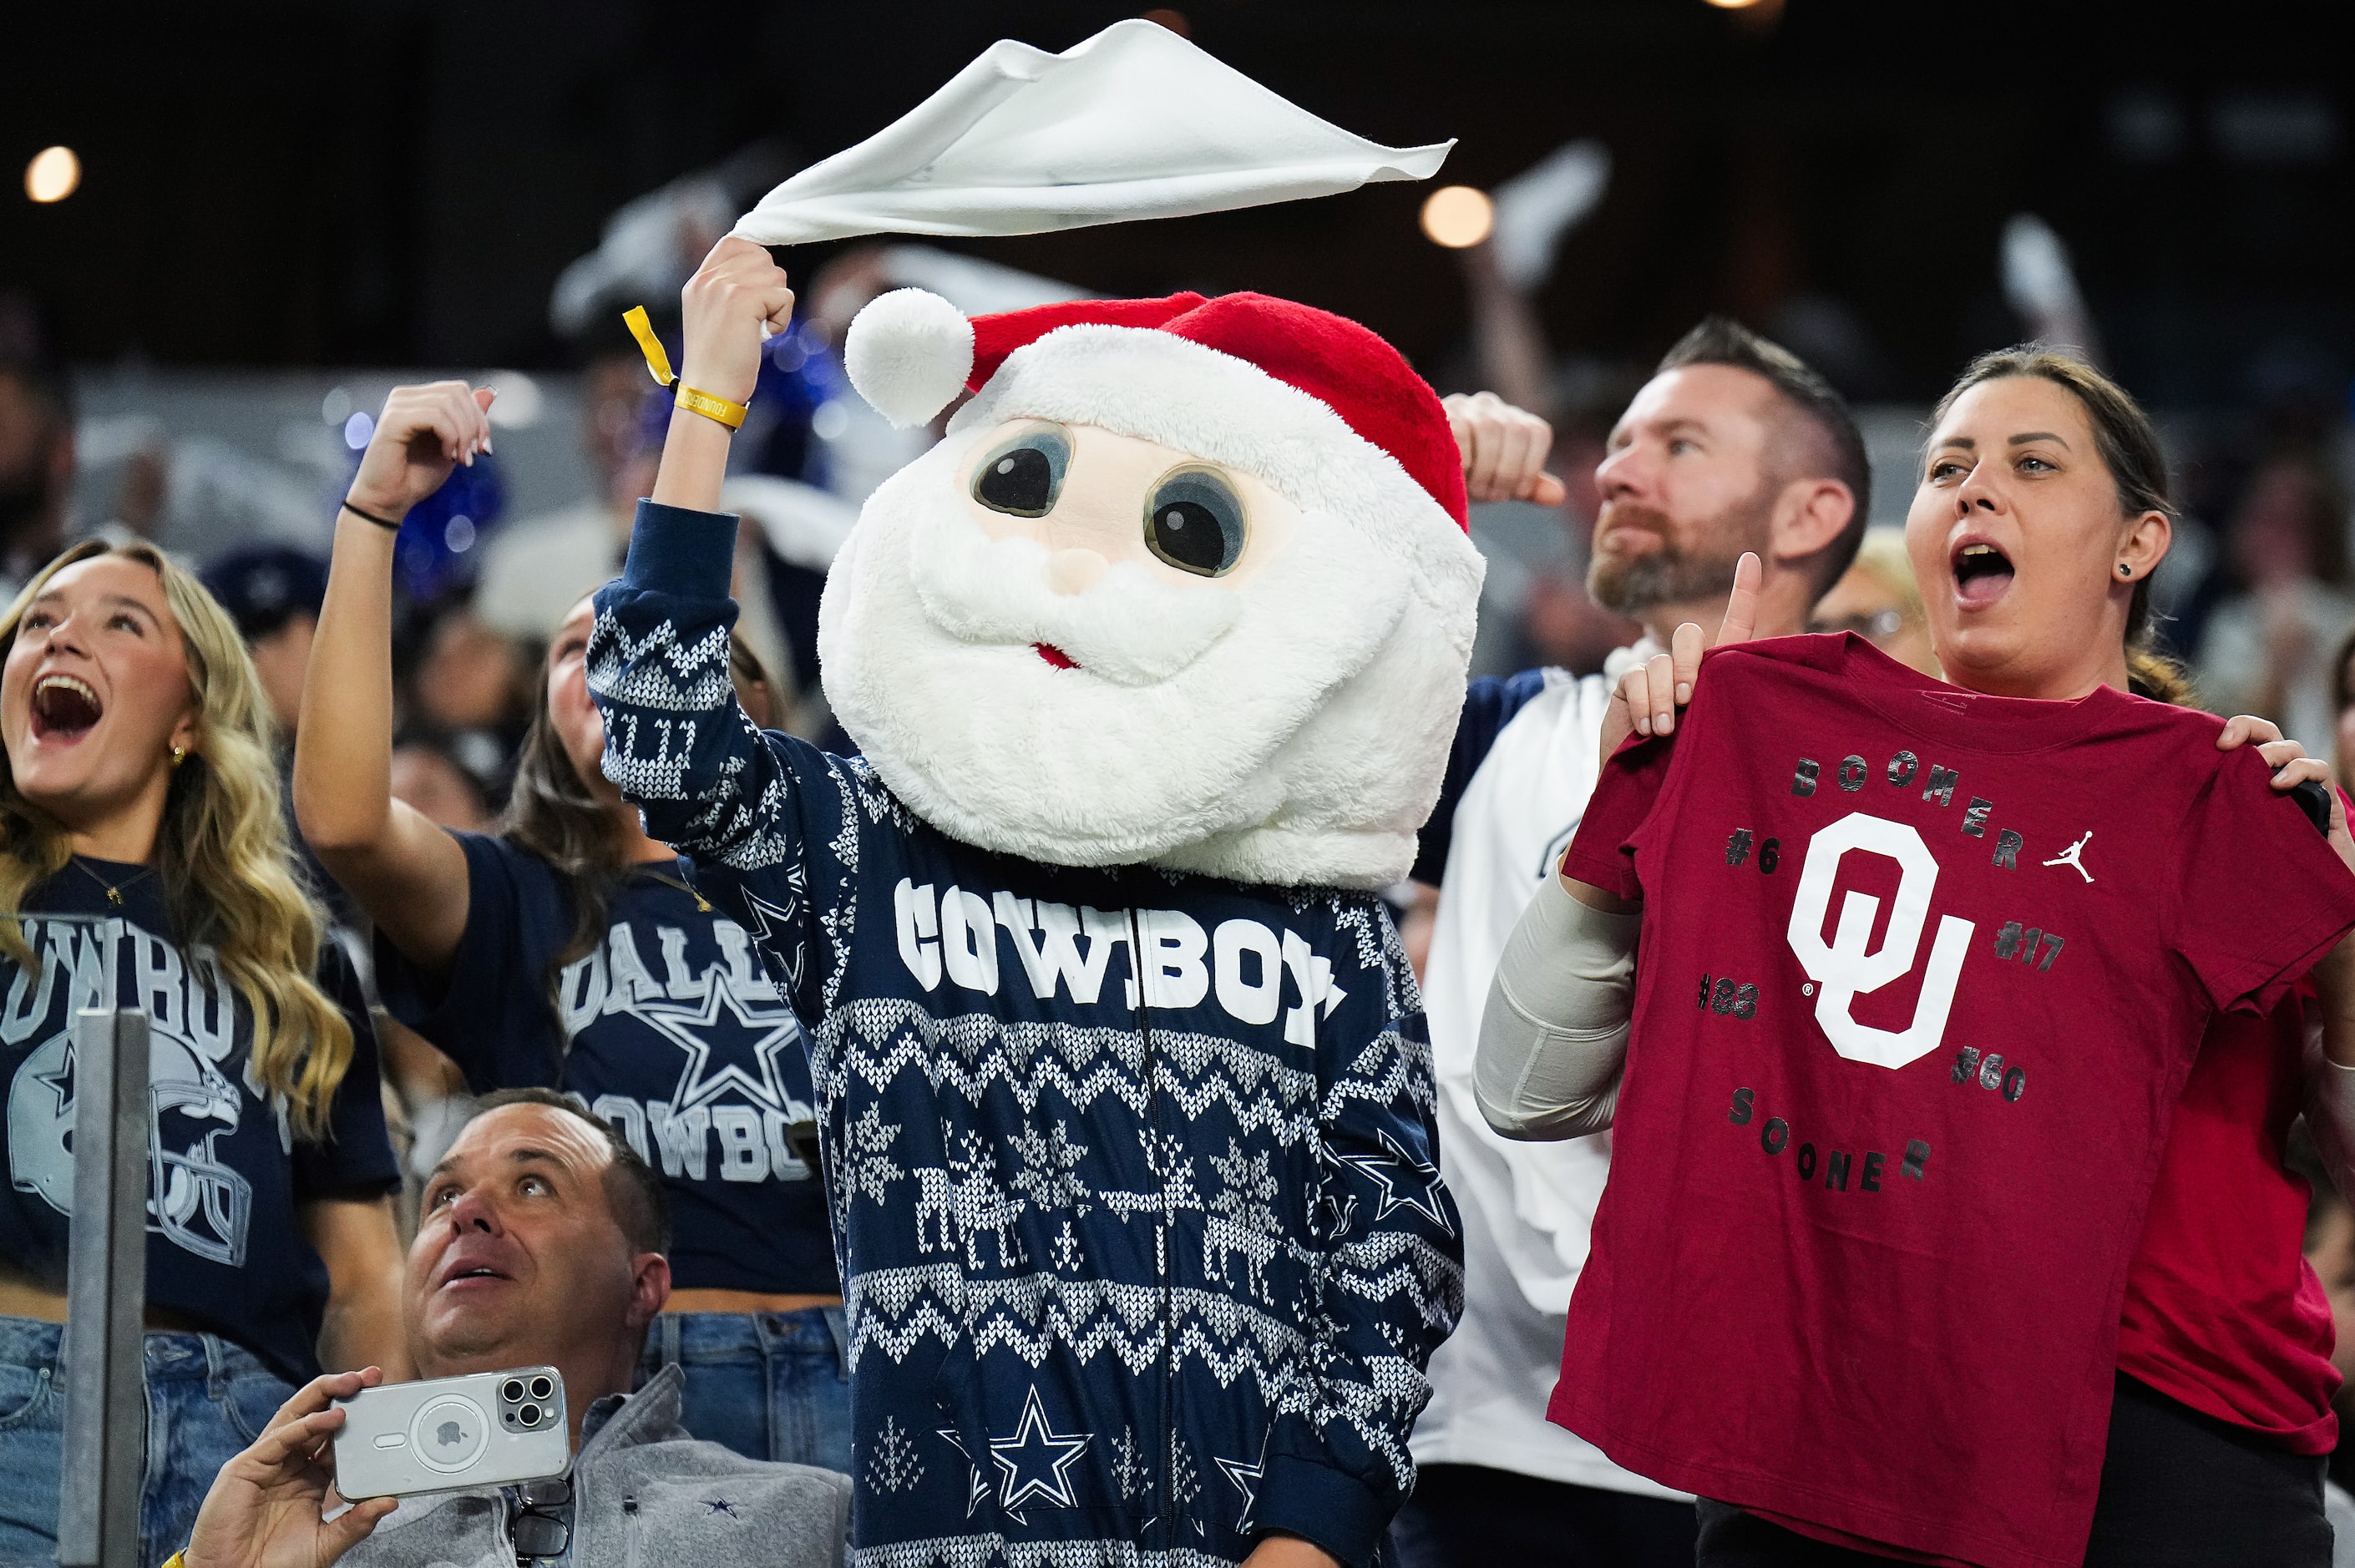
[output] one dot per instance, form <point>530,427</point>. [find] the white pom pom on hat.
<point>907,354</point>
<point>1245,367</point>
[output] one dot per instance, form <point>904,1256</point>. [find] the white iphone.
<point>453,1433</point>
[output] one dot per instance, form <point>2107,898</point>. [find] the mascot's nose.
<point>1075,571</point>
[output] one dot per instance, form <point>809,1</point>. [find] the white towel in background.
<point>1135,122</point>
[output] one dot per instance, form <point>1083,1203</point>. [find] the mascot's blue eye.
<point>1024,475</point>
<point>1195,521</point>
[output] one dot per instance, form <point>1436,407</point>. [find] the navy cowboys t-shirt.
<point>669,1030</point>
<point>224,1247</point>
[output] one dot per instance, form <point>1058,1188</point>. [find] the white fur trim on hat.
<point>1157,387</point>
<point>908,353</point>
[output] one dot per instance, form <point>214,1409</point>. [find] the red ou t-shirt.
<point>1922,973</point>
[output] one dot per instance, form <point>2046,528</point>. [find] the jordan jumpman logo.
<point>2068,857</point>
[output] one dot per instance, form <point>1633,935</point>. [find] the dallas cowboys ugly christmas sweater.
<point>1134,1174</point>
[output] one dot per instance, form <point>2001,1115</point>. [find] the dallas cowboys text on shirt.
<point>732,1113</point>
<point>668,1027</point>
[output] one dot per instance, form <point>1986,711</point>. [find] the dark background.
<point>398,181</point>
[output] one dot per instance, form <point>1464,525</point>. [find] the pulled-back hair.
<point>2128,445</point>
<point>221,850</point>
<point>1720,340</point>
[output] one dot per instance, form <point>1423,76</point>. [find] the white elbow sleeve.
<point>1553,1037</point>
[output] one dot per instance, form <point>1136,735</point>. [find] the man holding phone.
<point>540,1242</point>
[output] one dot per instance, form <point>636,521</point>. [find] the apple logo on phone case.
<point>448,1432</point>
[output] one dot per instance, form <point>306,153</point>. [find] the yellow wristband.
<point>658,366</point>
<point>713,408</point>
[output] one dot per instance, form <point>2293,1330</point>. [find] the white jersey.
<point>1528,1207</point>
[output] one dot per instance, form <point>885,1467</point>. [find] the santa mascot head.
<point>1188,583</point>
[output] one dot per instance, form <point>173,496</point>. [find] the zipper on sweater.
<point>632,1531</point>
<point>1162,1252</point>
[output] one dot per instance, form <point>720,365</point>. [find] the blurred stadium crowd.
<point>238,476</point>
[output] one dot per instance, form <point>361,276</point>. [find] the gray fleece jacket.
<point>646,1495</point>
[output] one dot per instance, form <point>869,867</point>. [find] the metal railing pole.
<point>106,1296</point>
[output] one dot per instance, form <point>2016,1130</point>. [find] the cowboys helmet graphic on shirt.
<point>194,1200</point>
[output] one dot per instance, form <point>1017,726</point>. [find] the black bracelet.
<point>371,516</point>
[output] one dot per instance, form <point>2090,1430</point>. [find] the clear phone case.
<point>453,1433</point>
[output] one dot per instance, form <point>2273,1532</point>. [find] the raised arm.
<point>2329,1099</point>
<point>2330,1070</point>
<point>734,295</point>
<point>708,781</point>
<point>1504,449</point>
<point>407,873</point>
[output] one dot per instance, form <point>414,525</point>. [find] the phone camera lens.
<point>529,1415</point>
<point>512,1390</point>
<point>541,1388</point>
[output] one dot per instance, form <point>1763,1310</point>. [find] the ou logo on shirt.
<point>1843,971</point>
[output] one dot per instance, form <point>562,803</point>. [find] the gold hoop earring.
<point>179,755</point>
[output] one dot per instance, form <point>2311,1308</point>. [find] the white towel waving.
<point>1135,122</point>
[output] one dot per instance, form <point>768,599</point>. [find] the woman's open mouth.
<point>64,708</point>
<point>1982,573</point>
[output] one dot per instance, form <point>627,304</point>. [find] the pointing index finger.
<point>1742,605</point>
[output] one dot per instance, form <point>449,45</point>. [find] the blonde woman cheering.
<point>143,863</point>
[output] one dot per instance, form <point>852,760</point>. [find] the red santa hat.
<point>1321,410</point>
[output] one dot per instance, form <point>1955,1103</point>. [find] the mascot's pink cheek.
<point>1055,656</point>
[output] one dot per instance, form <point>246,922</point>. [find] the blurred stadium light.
<point>53,175</point>
<point>1457,216</point>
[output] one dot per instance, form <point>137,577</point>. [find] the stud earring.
<point>180,753</point>
<point>2125,570</point>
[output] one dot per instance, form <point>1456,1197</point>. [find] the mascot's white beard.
<point>1132,628</point>
<point>1286,729</point>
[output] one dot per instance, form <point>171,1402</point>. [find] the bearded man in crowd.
<point>1733,446</point>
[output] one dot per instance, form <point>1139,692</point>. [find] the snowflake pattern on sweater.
<point>1134,1174</point>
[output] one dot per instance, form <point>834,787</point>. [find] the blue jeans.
<point>207,1401</point>
<point>770,1385</point>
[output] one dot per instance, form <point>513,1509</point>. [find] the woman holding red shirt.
<point>2221,1409</point>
